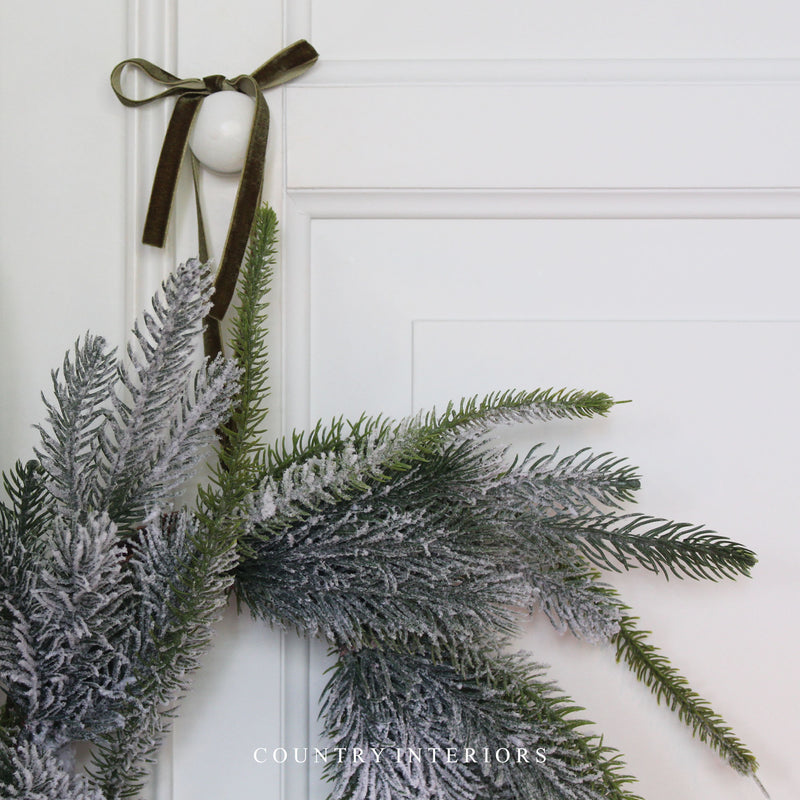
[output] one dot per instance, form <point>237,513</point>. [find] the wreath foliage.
<point>413,548</point>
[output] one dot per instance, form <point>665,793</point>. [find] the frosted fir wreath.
<point>412,548</point>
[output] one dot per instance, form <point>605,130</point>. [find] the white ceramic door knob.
<point>221,131</point>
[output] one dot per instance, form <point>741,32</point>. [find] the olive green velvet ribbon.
<point>282,67</point>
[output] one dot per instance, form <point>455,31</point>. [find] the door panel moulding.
<point>510,72</point>
<point>151,34</point>
<point>644,203</point>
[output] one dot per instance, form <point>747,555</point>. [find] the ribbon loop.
<point>281,68</point>
<point>174,84</point>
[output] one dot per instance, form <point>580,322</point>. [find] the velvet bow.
<point>282,67</point>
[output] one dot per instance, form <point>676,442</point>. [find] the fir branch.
<point>368,566</point>
<point>180,572</point>
<point>524,685</point>
<point>366,434</point>
<point>22,526</point>
<point>574,483</point>
<point>204,404</point>
<point>249,335</point>
<point>68,453</point>
<point>31,772</point>
<point>575,600</point>
<point>354,464</point>
<point>63,655</point>
<point>383,698</point>
<point>664,681</point>
<point>27,495</point>
<point>240,455</point>
<point>658,545</point>
<point>520,406</point>
<point>159,369</point>
<point>428,431</point>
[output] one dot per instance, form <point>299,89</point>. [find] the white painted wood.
<point>450,29</point>
<point>548,203</point>
<point>150,34</point>
<point>572,136</point>
<point>62,201</point>
<point>523,71</point>
<point>242,696</point>
<point>381,275</point>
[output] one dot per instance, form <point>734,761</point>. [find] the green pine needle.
<point>521,683</point>
<point>28,498</point>
<point>429,430</point>
<point>518,406</point>
<point>241,452</point>
<point>676,548</point>
<point>667,684</point>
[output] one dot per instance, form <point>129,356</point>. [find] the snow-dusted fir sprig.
<point>80,408</point>
<point>624,541</point>
<point>418,436</point>
<point>238,467</point>
<point>665,682</point>
<point>180,572</point>
<point>107,596</point>
<point>336,461</point>
<point>366,568</point>
<point>32,772</point>
<point>428,730</point>
<point>573,483</point>
<point>160,359</point>
<point>124,435</point>
<point>66,665</point>
<point>341,542</point>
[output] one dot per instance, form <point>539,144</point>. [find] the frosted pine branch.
<point>62,664</point>
<point>400,702</point>
<point>573,483</point>
<point>180,572</point>
<point>155,378</point>
<point>37,773</point>
<point>82,397</point>
<point>576,601</point>
<point>366,566</point>
<point>520,406</point>
<point>205,404</point>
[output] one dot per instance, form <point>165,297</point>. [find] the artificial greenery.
<point>412,547</point>
<point>108,594</point>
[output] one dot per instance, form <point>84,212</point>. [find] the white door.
<point>473,196</point>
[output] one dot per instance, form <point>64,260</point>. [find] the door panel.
<point>571,29</point>
<point>508,134</point>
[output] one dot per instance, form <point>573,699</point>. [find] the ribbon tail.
<point>169,164</point>
<point>246,204</point>
<point>212,337</point>
<point>202,239</point>
<point>286,65</point>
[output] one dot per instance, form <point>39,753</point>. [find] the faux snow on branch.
<point>107,595</point>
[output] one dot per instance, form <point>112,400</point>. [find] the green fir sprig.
<point>653,669</point>
<point>239,465</point>
<point>658,545</point>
